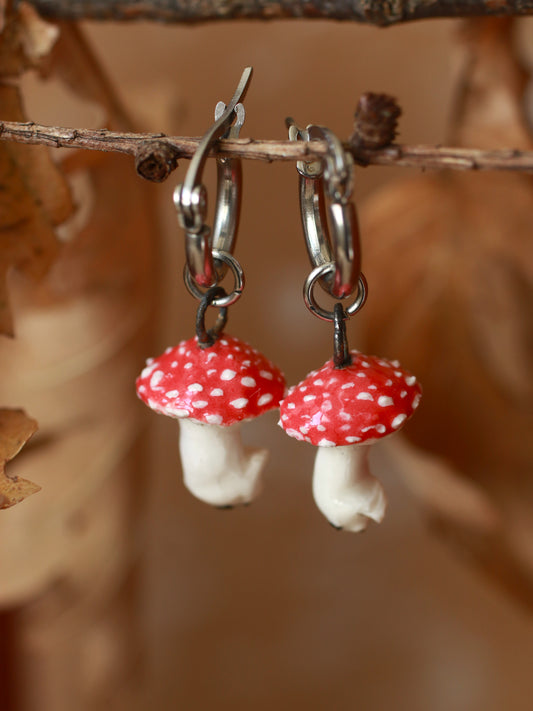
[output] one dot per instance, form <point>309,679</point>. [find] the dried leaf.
<point>25,38</point>
<point>16,428</point>
<point>37,36</point>
<point>451,259</point>
<point>34,197</point>
<point>73,61</point>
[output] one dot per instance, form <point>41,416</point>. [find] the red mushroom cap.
<point>367,400</point>
<point>221,385</point>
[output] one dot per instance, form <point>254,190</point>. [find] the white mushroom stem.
<point>216,467</point>
<point>344,489</point>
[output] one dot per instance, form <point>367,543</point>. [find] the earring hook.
<point>190,197</point>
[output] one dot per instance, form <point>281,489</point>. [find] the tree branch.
<point>156,155</point>
<point>375,12</point>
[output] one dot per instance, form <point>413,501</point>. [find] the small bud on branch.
<point>376,120</point>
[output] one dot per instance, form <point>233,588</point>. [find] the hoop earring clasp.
<point>190,197</point>
<point>325,188</point>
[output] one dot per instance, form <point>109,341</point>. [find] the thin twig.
<point>376,12</point>
<point>167,150</point>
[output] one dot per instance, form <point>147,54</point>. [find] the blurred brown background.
<point>268,607</point>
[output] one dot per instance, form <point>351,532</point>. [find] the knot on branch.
<point>376,121</point>
<point>155,160</point>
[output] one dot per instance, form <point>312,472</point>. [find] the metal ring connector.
<point>238,276</point>
<point>325,190</point>
<point>311,303</point>
<point>190,198</point>
<point>207,337</point>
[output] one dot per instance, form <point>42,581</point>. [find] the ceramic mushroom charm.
<point>212,391</point>
<point>342,411</point>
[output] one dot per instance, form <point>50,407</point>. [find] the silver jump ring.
<point>309,297</point>
<point>238,276</point>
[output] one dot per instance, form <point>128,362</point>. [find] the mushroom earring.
<point>353,400</point>
<point>213,382</point>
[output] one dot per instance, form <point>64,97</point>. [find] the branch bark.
<point>156,155</point>
<point>375,12</point>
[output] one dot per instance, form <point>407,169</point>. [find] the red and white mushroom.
<point>342,411</point>
<point>212,391</point>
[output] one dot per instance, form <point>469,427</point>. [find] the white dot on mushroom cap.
<point>398,373</point>
<point>344,428</point>
<point>246,363</point>
<point>213,419</point>
<point>210,356</point>
<point>177,412</point>
<point>395,363</point>
<point>364,396</point>
<point>224,342</point>
<point>239,403</point>
<point>142,388</point>
<point>265,399</point>
<point>303,388</point>
<point>290,406</point>
<point>372,387</point>
<point>318,382</point>
<point>403,393</point>
<point>174,364</point>
<point>348,385</point>
<point>304,430</point>
<point>416,400</point>
<point>195,388</point>
<point>326,443</point>
<point>294,433</point>
<point>149,361</point>
<point>181,350</point>
<point>388,382</point>
<point>410,379</point>
<point>381,429</point>
<point>146,371</point>
<point>188,365</point>
<point>172,393</point>
<point>361,375</point>
<point>211,371</point>
<point>321,428</point>
<point>248,382</point>
<point>326,406</point>
<point>156,378</point>
<point>398,420</point>
<point>351,440</point>
<point>227,374</point>
<point>365,364</point>
<point>199,403</point>
<point>217,392</point>
<point>385,401</point>
<point>345,416</point>
<point>308,398</point>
